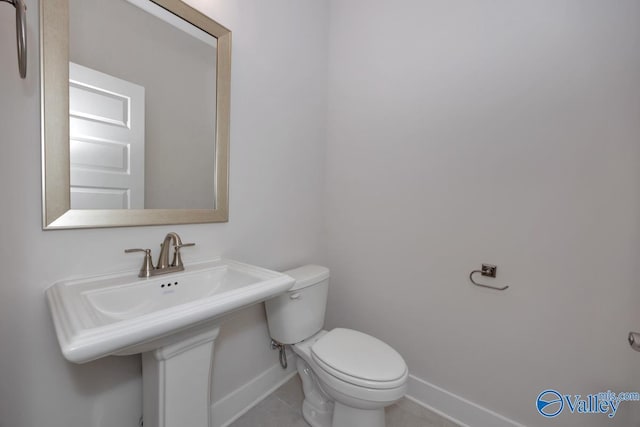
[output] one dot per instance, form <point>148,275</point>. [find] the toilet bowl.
<point>348,377</point>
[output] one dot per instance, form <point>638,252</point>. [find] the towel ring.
<point>21,34</point>
<point>488,270</point>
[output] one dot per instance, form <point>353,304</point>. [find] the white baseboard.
<point>232,406</point>
<point>453,407</point>
<point>444,403</point>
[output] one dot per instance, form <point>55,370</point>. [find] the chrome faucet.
<point>163,259</point>
<point>163,266</point>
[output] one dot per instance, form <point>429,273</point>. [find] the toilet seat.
<point>359,359</point>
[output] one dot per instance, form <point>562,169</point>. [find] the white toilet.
<point>348,377</point>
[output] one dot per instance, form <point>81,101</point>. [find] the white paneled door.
<point>106,117</point>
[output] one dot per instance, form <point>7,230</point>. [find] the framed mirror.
<point>135,114</point>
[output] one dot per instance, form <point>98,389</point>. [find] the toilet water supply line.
<point>283,354</point>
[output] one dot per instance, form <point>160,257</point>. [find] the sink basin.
<point>121,314</point>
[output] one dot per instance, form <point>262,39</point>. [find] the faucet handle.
<point>147,263</point>
<point>177,259</point>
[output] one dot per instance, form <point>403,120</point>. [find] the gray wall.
<point>277,146</point>
<point>494,131</point>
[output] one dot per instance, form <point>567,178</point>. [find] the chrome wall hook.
<point>21,34</point>
<point>488,270</point>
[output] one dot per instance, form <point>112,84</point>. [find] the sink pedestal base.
<point>176,381</point>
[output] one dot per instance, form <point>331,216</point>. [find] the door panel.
<point>106,117</point>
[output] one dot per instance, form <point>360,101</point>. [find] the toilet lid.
<point>359,359</point>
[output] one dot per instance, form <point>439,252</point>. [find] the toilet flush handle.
<point>295,296</point>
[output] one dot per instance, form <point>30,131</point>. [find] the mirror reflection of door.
<point>137,41</point>
<point>106,129</point>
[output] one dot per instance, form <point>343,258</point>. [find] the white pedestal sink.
<point>172,320</point>
<point>176,381</point>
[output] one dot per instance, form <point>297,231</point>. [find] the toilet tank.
<point>299,313</point>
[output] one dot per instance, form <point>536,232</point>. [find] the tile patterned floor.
<point>283,408</point>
